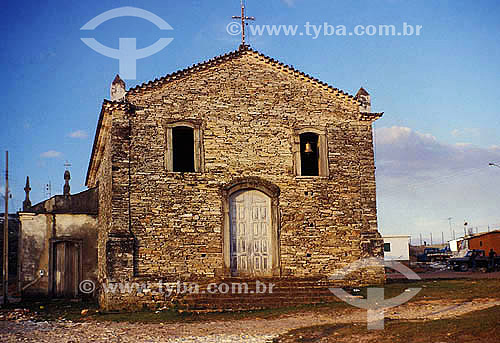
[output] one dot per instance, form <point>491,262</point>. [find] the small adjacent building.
<point>57,243</point>
<point>397,248</point>
<point>486,241</point>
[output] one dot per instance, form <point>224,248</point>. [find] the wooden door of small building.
<point>250,233</point>
<point>66,267</point>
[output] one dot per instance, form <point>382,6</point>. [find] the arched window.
<point>183,151</point>
<point>311,152</point>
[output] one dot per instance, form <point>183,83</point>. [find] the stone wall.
<point>104,215</point>
<point>249,111</point>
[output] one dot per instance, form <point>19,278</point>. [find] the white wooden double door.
<point>250,233</point>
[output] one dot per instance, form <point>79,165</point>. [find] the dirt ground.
<point>21,328</point>
<point>447,307</point>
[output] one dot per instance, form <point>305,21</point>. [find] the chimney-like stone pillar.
<point>118,90</point>
<point>66,187</point>
<point>364,97</point>
<point>27,190</point>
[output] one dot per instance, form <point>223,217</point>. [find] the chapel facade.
<point>237,167</point>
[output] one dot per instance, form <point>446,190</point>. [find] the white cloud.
<point>463,145</point>
<point>398,134</point>
<point>403,151</point>
<point>79,134</point>
<point>466,132</point>
<point>51,154</point>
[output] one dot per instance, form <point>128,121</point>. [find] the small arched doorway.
<point>251,228</point>
<point>250,233</point>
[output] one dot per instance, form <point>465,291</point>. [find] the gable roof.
<point>243,49</point>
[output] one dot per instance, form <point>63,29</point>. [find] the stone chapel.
<point>237,167</point>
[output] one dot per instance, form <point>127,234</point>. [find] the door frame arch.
<point>273,192</point>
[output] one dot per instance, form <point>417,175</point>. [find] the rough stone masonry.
<point>248,114</point>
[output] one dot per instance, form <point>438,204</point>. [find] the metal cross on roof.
<point>243,23</point>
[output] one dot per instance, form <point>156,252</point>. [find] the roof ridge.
<point>123,104</point>
<point>233,54</point>
<point>181,72</point>
<point>295,70</point>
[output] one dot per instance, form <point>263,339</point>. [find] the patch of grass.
<point>480,326</point>
<point>445,289</point>
<point>172,316</point>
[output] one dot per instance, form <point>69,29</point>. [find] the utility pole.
<point>442,237</point>
<point>431,238</point>
<point>5,274</point>
<point>420,239</point>
<point>449,222</point>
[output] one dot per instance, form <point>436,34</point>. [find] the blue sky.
<point>441,123</point>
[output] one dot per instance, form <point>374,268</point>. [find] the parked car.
<point>473,258</point>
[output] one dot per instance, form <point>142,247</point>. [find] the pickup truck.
<point>434,254</point>
<point>464,263</point>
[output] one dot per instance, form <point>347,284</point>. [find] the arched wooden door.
<point>250,233</point>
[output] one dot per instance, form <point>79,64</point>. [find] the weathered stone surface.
<point>248,110</point>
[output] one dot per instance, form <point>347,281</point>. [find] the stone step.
<point>252,305</point>
<point>286,292</point>
<point>253,294</point>
<point>215,302</point>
